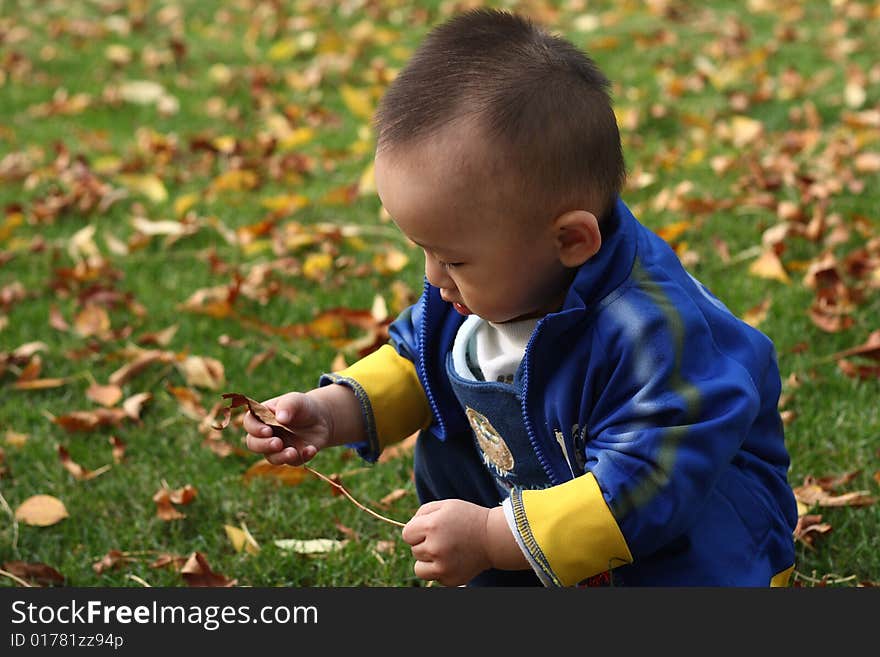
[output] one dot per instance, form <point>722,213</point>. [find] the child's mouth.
<point>461,308</point>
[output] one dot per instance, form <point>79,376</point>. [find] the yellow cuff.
<point>781,578</point>
<point>569,531</point>
<point>391,396</point>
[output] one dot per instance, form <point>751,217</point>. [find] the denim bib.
<point>494,410</point>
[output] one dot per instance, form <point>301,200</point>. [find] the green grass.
<point>675,73</point>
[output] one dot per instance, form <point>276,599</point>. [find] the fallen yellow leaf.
<point>768,265</point>
<point>241,539</point>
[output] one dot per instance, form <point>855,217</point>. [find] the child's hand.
<point>305,416</point>
<point>449,540</point>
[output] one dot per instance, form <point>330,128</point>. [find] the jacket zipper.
<point>527,372</point>
<point>422,351</point>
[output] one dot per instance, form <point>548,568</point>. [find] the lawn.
<point>187,209</point>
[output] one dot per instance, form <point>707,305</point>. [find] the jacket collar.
<point>611,265</point>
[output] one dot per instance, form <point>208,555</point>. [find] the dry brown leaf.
<point>107,395</point>
<point>159,338</point>
<point>384,547</point>
<point>814,495</point>
<point>79,472</point>
<point>16,439</point>
<point>809,528</point>
<point>92,320</point>
<point>183,495</point>
<point>39,384</point>
<point>164,509</point>
<point>288,475</point>
<point>869,349</point>
<point>862,372</point>
<point>134,404</point>
<point>41,511</point>
<point>36,573</point>
<point>137,365</point>
<point>90,420</point>
<point>259,359</point>
<point>32,369</point>
<point>393,496</point>
<point>110,560</point>
<point>202,372</point>
<point>189,400</point>
<point>176,561</point>
<point>398,450</point>
<point>755,315</point>
<point>197,572</point>
<point>165,498</point>
<point>118,448</point>
<point>264,413</point>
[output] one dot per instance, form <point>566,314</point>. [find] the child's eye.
<point>449,265</point>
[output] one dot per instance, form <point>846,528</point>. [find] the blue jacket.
<point>650,406</point>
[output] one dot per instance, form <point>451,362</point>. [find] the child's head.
<point>498,152</point>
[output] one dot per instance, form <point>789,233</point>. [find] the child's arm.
<point>323,417</point>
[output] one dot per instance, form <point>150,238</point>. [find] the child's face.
<point>449,196</point>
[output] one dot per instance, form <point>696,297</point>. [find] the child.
<point>589,412</point>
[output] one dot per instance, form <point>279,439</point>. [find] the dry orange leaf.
<point>41,511</point>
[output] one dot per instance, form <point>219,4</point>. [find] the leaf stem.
<point>348,495</point>
<point>15,578</point>
<point>12,517</point>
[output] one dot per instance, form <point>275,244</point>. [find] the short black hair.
<point>544,103</point>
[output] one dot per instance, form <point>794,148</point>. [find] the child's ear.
<point>577,237</point>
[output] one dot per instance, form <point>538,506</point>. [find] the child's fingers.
<point>262,445</point>
<point>429,507</point>
<point>254,426</point>
<point>289,406</point>
<point>414,532</point>
<point>287,456</point>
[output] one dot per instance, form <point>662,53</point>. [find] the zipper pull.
<point>561,440</point>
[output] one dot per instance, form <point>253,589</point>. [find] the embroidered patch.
<point>492,444</point>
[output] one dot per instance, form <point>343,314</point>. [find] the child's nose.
<point>436,273</point>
